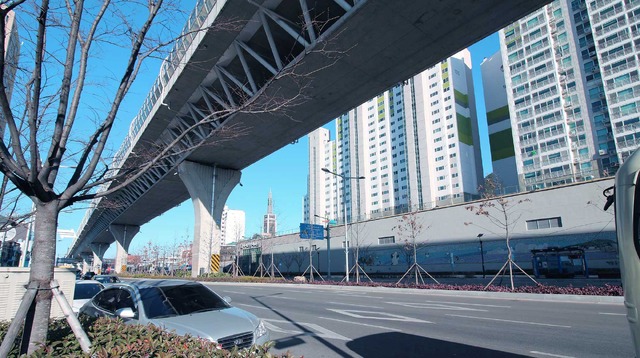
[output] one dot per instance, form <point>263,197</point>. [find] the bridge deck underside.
<point>381,44</point>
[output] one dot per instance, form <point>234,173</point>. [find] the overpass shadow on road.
<point>404,345</point>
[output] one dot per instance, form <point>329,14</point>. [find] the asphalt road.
<point>335,321</point>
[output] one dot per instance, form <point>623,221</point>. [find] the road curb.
<point>428,292</point>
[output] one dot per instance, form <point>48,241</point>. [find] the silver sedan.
<point>184,307</point>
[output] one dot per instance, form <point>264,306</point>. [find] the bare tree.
<point>57,152</point>
<point>410,228</point>
<point>299,257</point>
<point>502,213</point>
<point>287,259</point>
<point>356,240</point>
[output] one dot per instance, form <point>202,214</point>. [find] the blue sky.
<point>284,174</point>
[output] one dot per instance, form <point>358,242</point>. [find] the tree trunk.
<point>42,264</point>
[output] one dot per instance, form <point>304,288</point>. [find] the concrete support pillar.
<point>86,265</point>
<point>209,188</point>
<point>98,254</point>
<point>123,235</point>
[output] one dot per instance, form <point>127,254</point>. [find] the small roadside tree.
<point>357,237</point>
<point>502,212</point>
<point>409,227</point>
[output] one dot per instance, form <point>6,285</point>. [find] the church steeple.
<point>269,226</point>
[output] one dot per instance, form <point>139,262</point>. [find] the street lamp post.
<point>344,204</point>
<point>481,253</point>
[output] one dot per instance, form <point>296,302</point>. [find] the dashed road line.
<point>550,354</point>
<point>362,324</point>
<point>612,314</point>
<point>510,321</point>
<point>315,329</point>
<point>355,305</point>
<point>383,316</point>
<point>435,306</point>
<point>252,306</point>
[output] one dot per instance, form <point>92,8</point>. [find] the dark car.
<point>88,275</point>
<point>106,279</point>
<point>184,307</point>
<point>83,292</point>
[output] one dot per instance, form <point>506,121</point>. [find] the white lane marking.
<point>239,293</point>
<point>281,298</point>
<point>356,295</point>
<point>362,324</point>
<point>434,306</point>
<point>315,329</point>
<point>355,305</point>
<point>377,315</point>
<point>252,306</point>
<point>469,304</point>
<point>550,354</point>
<point>612,314</point>
<point>510,321</point>
<point>300,291</point>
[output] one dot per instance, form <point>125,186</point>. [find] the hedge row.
<point>605,290</point>
<point>114,338</point>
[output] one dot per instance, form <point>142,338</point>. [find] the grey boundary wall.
<point>449,239</point>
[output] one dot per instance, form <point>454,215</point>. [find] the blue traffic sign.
<point>311,231</point>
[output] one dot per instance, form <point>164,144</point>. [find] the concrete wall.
<point>13,281</point>
<point>452,244</point>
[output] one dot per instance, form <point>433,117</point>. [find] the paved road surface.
<point>333,321</point>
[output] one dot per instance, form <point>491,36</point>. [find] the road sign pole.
<point>328,251</point>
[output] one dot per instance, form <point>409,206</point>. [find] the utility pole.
<point>328,229</point>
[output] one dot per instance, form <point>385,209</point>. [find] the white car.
<point>83,292</point>
<point>180,306</point>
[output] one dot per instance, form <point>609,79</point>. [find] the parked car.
<point>106,279</point>
<point>83,292</point>
<point>184,307</point>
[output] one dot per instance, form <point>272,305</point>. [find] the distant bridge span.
<point>382,42</point>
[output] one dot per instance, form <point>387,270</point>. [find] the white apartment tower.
<point>503,157</point>
<point>571,74</point>
<point>443,144</point>
<point>320,203</point>
<point>416,145</point>
<point>615,26</point>
<point>232,225</point>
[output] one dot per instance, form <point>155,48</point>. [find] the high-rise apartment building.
<point>615,27</point>
<point>503,157</point>
<point>571,74</point>
<point>232,225</point>
<point>320,201</point>
<point>416,145</point>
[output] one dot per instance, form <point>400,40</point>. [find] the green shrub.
<point>114,338</point>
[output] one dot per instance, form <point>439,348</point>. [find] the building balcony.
<point>549,148</point>
<point>549,134</point>
<point>618,69</point>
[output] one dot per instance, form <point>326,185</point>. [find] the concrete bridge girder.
<point>209,188</point>
<point>123,234</point>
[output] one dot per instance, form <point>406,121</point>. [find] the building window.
<point>344,244</point>
<point>301,248</point>
<point>544,223</point>
<point>386,240</point>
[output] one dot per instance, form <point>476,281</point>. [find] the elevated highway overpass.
<point>346,52</point>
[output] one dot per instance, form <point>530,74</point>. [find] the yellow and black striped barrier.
<point>214,265</point>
